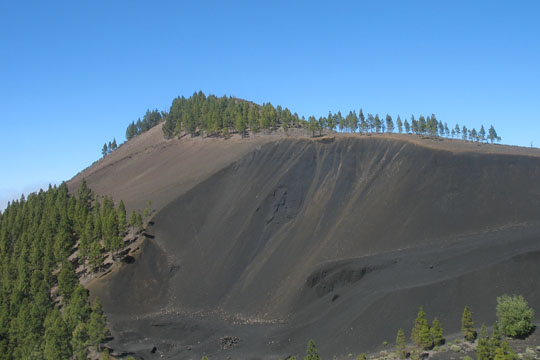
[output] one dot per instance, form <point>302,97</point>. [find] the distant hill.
<point>276,239</point>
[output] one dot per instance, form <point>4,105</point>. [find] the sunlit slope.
<point>151,168</point>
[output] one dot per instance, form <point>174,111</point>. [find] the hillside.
<point>275,239</point>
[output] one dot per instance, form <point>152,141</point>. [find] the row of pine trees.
<point>44,312</point>
<point>221,116</point>
<point>150,119</point>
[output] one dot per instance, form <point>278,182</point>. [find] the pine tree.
<point>389,124</point>
<point>312,125</point>
<point>312,353</point>
<point>499,354</point>
<point>97,325</point>
<point>473,136</point>
<point>407,127</point>
<point>104,150</point>
<point>399,124</point>
<point>420,334</point>
<point>133,219</point>
<point>56,338</point>
<point>77,310</point>
<point>240,126</point>
<point>483,348</point>
<point>168,128</point>
<point>377,123</point>
<point>362,119</point>
<point>79,342</point>
<point>94,256</point>
<point>67,279</point>
<point>370,120</point>
<point>401,345</point>
<point>482,134</point>
<point>437,333</point>
<point>457,130</point>
<point>425,337</point>
<point>492,134</point>
<point>139,221</point>
<point>509,353</point>
<point>122,222</point>
<point>494,340</point>
<point>467,325</point>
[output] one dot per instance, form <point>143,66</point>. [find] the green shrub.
<point>455,348</point>
<point>514,316</point>
<point>467,357</point>
<point>362,356</point>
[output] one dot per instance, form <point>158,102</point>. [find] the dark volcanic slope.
<point>336,239</point>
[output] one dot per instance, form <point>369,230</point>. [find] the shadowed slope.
<point>337,239</point>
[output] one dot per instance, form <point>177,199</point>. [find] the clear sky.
<point>73,74</point>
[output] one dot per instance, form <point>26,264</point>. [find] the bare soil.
<point>274,239</point>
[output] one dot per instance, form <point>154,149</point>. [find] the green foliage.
<point>514,316</point>
<point>122,218</point>
<point>94,256</point>
<point>483,351</point>
<point>311,352</point>
<point>204,358</point>
<point>401,344</point>
<point>505,352</point>
<point>37,235</point>
<point>436,332</point>
<point>109,147</point>
<point>79,342</point>
<point>97,326</point>
<point>150,119</point>
<point>467,325</point>
<point>494,340</point>
<point>362,356</point>
<point>56,337</point>
<point>421,335</point>
<point>67,279</point>
<point>105,355</point>
<point>491,347</point>
<point>210,115</point>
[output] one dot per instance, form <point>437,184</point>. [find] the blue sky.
<point>73,74</point>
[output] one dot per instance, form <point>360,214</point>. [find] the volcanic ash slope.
<point>339,239</point>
